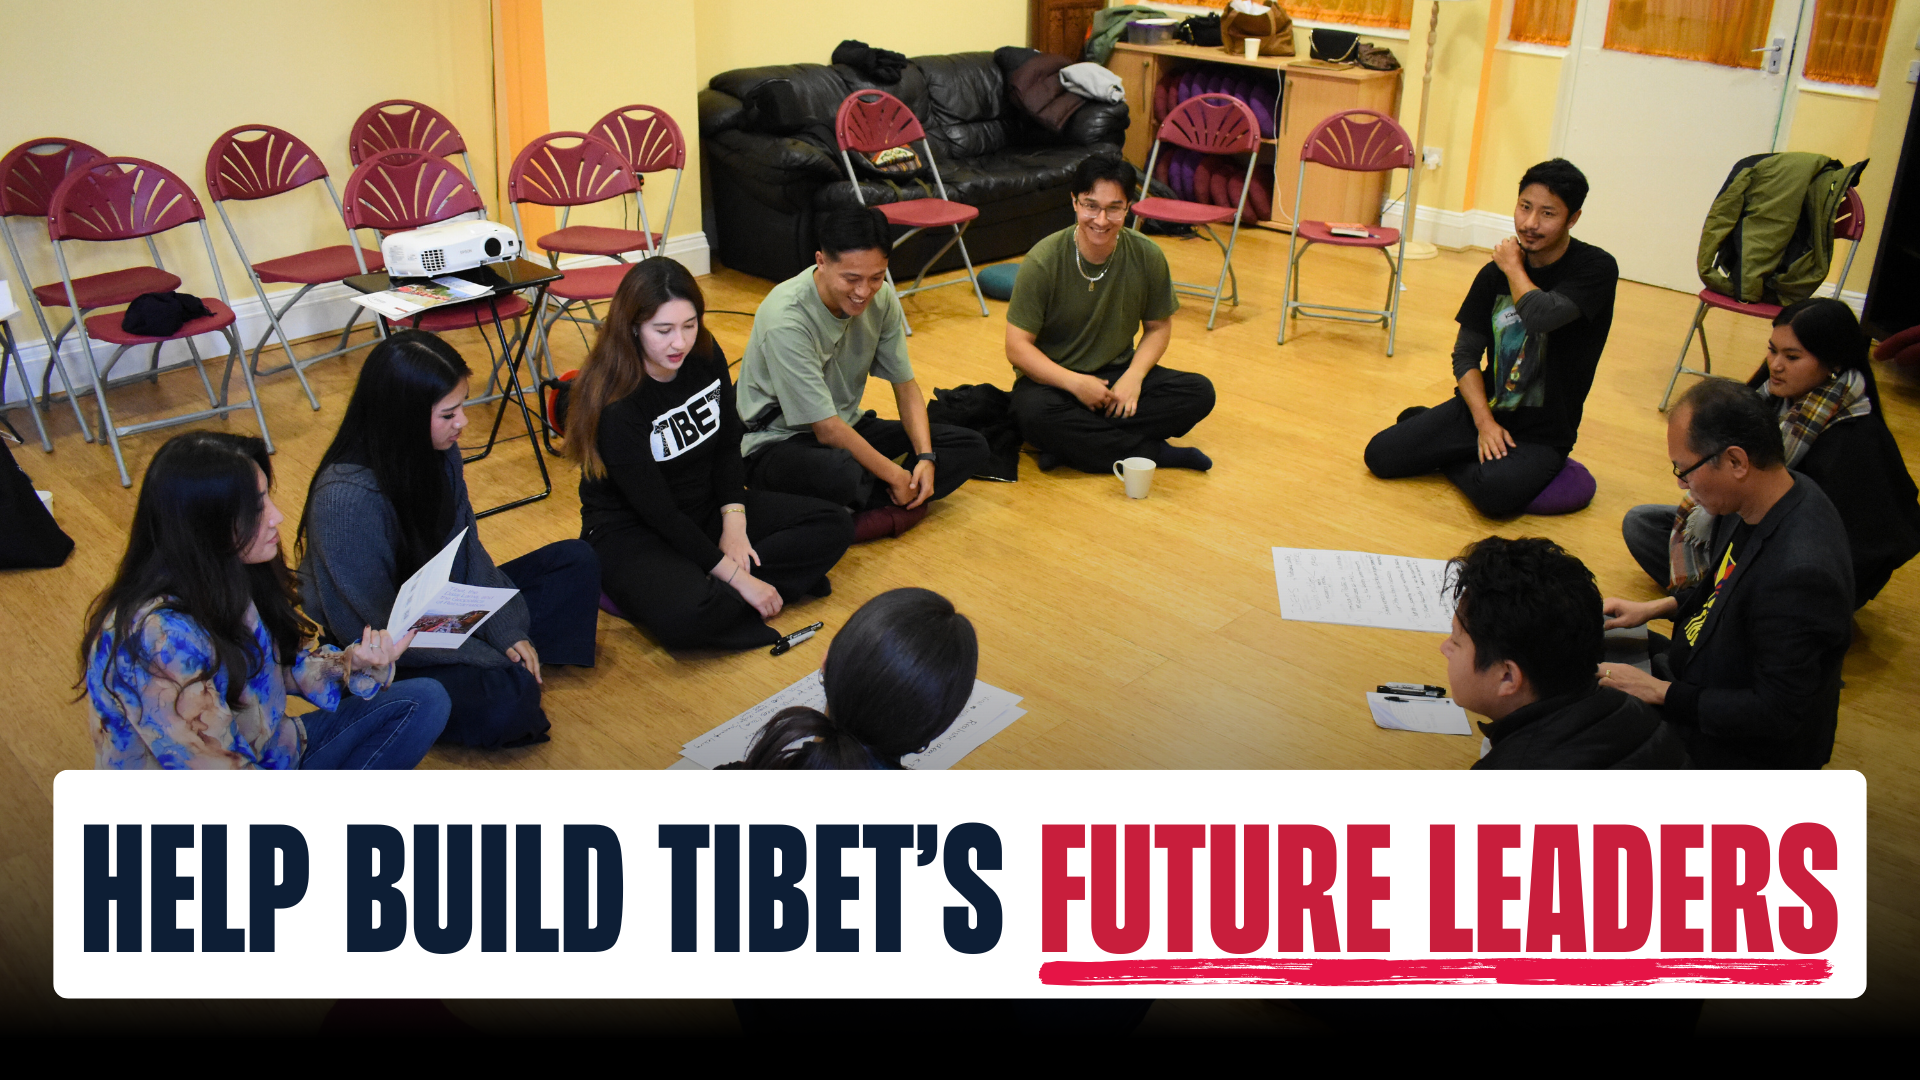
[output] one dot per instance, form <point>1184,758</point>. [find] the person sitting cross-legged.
<point>1087,393</point>
<point>1526,636</point>
<point>1751,678</point>
<point>1538,315</point>
<point>817,338</point>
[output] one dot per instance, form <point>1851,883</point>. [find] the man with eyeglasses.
<point>1087,394</point>
<point>1751,679</point>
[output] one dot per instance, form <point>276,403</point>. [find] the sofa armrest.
<point>1097,122</point>
<point>720,111</point>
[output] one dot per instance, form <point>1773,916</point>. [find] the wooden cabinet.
<point>1308,95</point>
<point>1060,26</point>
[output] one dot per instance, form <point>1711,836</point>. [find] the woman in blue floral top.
<point>190,654</point>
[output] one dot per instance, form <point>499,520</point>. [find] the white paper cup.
<point>1252,46</point>
<point>1137,474</point>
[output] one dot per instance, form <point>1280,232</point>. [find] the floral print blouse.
<point>162,715</point>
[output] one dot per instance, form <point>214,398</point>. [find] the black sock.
<point>1178,457</point>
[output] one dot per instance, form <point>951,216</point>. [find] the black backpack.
<point>29,539</point>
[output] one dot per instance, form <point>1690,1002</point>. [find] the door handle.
<point>1776,52</point>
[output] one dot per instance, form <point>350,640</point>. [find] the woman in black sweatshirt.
<point>685,551</point>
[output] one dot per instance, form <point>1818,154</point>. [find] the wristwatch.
<point>928,456</point>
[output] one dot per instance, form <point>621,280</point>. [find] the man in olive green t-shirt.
<point>1087,393</point>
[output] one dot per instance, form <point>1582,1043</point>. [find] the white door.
<point>1656,137</point>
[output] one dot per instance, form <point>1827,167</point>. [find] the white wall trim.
<point>1453,229</point>
<point>324,311</point>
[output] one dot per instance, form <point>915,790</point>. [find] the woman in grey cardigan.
<point>390,493</point>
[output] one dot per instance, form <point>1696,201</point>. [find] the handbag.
<point>1200,30</point>
<point>1335,46</point>
<point>1274,31</point>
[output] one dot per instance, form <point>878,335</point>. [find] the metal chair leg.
<point>1680,363</point>
<point>11,348</point>
<point>253,388</point>
<point>273,320</point>
<point>978,296</point>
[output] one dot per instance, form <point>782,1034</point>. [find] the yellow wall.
<point>601,56</point>
<point>1887,132</point>
<point>1519,128</point>
<point>748,33</point>
<point>162,82</point>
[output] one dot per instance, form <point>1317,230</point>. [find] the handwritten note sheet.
<point>1359,588</point>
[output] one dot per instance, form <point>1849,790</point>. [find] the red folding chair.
<point>400,124</point>
<point>28,176</point>
<point>1208,124</point>
<point>397,190</point>
<point>569,169</point>
<point>125,198</point>
<point>1357,140</point>
<point>267,162</point>
<point>870,121</point>
<point>1849,224</point>
<point>651,142</point>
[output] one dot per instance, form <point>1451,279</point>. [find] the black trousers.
<point>495,707</point>
<point>799,539</point>
<point>799,465</point>
<point>1171,403</point>
<point>1444,439</point>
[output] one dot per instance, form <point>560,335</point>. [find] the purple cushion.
<point>607,605</point>
<point>1571,490</point>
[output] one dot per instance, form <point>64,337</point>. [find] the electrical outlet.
<point>1913,72</point>
<point>1431,159</point>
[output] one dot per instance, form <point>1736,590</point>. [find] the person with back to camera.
<point>1539,314</point>
<point>817,338</point>
<point>1817,382</point>
<point>1526,636</point>
<point>684,550</point>
<point>191,651</point>
<point>389,494</point>
<point>896,676</point>
<point>1751,678</point>
<point>1086,393</point>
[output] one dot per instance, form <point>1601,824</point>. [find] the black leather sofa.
<point>771,164</point>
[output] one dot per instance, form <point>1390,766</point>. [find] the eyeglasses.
<point>1681,474</point>
<point>1116,212</point>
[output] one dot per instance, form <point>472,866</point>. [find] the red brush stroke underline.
<point>1511,970</point>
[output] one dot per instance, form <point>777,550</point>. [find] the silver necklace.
<point>1080,266</point>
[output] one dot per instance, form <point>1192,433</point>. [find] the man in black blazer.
<point>1752,676</point>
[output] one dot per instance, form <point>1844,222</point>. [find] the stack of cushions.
<point>1216,180</point>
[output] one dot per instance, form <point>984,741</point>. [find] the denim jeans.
<point>1647,529</point>
<point>393,729</point>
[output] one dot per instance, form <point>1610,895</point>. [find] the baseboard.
<point>1456,230</point>
<point>324,311</point>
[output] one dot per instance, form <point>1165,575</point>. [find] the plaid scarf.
<point>1843,395</point>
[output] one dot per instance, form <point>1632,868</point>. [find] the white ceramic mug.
<point>1137,473</point>
<point>1252,46</point>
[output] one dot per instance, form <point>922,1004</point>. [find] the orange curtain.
<point>1723,32</point>
<point>1394,13</point>
<point>1542,22</point>
<point>1849,37</point>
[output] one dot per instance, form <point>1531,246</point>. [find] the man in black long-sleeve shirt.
<point>1538,317</point>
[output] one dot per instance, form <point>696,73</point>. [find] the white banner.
<point>959,884</point>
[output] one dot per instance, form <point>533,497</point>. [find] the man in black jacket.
<point>1752,677</point>
<point>1526,636</point>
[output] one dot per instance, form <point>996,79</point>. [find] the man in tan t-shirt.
<point>1087,393</point>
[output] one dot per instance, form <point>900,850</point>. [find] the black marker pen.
<point>795,638</point>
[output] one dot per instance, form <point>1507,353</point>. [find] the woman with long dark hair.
<point>1818,381</point>
<point>896,677</point>
<point>190,653</point>
<point>389,494</point>
<point>685,551</point>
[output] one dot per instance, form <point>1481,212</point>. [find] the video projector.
<point>447,248</point>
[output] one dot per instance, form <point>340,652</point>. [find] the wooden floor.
<point>1141,634</point>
